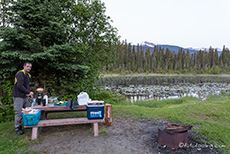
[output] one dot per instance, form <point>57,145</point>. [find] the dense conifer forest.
<point>136,59</point>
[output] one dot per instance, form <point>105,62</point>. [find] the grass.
<point>10,143</point>
<point>210,120</point>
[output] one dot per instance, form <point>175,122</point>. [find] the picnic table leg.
<point>46,114</point>
<point>34,133</point>
<point>43,115</point>
<point>108,115</point>
<point>95,128</point>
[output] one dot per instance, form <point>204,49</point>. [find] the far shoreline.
<point>158,74</point>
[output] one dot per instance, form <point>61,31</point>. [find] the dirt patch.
<point>126,136</point>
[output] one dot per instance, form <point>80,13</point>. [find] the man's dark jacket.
<point>21,84</point>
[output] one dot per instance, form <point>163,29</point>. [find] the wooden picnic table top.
<point>60,108</point>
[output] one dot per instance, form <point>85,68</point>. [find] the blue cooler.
<point>95,110</point>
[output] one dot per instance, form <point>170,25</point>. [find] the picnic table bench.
<point>59,122</point>
<point>67,121</point>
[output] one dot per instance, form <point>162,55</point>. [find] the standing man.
<point>21,93</point>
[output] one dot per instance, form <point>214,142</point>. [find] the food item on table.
<point>26,110</point>
<point>59,103</point>
<point>40,89</point>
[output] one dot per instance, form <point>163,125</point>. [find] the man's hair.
<point>27,63</point>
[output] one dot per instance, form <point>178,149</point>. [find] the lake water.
<point>161,87</point>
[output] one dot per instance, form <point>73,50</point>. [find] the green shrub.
<point>6,113</point>
<point>106,96</point>
<point>7,88</point>
<point>7,109</point>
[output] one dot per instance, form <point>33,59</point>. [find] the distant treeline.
<point>135,59</point>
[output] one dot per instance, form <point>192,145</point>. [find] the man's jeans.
<point>19,103</point>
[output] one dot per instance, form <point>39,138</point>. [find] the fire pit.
<point>173,135</point>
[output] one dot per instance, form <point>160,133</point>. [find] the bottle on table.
<point>34,102</point>
<point>45,100</point>
<point>39,99</point>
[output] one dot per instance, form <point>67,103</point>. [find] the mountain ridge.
<point>175,48</point>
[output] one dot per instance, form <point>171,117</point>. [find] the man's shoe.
<point>19,131</point>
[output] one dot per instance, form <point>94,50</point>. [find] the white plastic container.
<point>83,98</point>
<point>46,98</point>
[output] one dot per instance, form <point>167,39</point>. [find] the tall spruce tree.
<point>133,59</point>
<point>187,59</point>
<point>129,56</point>
<point>67,41</point>
<point>141,59</point>
<point>179,59</point>
<point>147,60</point>
<point>211,57</point>
<point>199,59</point>
<point>216,58</point>
<point>174,60</point>
<point>137,55</point>
<point>168,58</point>
<point>205,60</point>
<point>159,59</point>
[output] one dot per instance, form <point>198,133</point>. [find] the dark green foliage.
<point>5,12</point>
<point>7,108</point>
<point>107,96</point>
<point>5,96</point>
<point>6,113</point>
<point>68,42</point>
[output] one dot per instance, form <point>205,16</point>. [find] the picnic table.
<point>68,121</point>
<point>45,109</point>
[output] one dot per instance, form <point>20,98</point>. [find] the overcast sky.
<point>186,23</point>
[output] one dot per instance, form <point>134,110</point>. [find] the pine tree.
<point>154,58</point>
<point>216,58</point>
<point>211,57</point>
<point>183,60</point>
<point>159,59</point>
<point>205,60</point>
<point>162,59</point>
<point>195,62</point>
<point>152,61</point>
<point>142,60</point>
<point>137,55</point>
<point>174,64</point>
<point>133,59</point>
<point>125,54</point>
<point>118,58</point>
<point>187,62</point>
<point>67,41</point>
<point>199,60</point>
<point>129,56</point>
<point>167,59</point>
<point>179,59</point>
<point>147,61</point>
<point>223,57</point>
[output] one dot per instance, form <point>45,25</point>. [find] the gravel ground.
<point>125,136</point>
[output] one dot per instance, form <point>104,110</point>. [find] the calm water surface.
<point>173,86</point>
